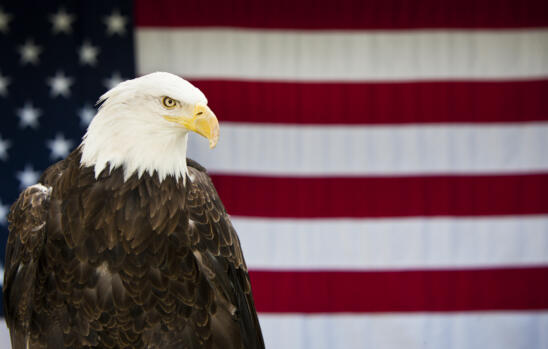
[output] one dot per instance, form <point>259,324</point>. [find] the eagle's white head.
<point>142,125</point>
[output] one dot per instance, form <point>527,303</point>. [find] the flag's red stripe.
<point>321,197</point>
<point>400,291</point>
<point>342,14</point>
<point>377,103</point>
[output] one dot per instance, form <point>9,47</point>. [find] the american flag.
<point>384,162</point>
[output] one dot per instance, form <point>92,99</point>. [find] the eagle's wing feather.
<point>32,219</point>
<point>27,218</point>
<point>220,259</point>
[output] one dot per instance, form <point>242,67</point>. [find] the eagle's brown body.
<point>108,263</point>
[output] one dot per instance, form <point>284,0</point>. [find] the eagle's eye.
<point>169,103</point>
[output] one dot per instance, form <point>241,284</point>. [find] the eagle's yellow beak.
<point>203,122</point>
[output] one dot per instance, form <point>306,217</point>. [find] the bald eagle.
<point>126,243</point>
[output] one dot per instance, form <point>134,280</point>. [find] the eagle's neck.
<point>136,146</point>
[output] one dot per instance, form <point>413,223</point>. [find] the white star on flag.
<point>4,82</point>
<point>5,19</point>
<point>28,116</point>
<point>30,52</point>
<point>4,209</point>
<point>86,114</point>
<point>60,147</point>
<point>114,80</point>
<point>62,22</point>
<point>4,146</point>
<point>116,23</point>
<point>27,177</point>
<point>88,54</point>
<point>60,85</point>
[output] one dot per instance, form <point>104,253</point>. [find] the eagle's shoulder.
<point>195,165</point>
<point>210,224</point>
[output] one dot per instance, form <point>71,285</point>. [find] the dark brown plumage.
<point>141,263</point>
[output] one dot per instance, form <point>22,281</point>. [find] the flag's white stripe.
<point>411,331</point>
<point>406,243</point>
<point>4,335</point>
<point>344,55</point>
<point>375,150</point>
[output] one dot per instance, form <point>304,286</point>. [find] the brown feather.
<point>126,264</point>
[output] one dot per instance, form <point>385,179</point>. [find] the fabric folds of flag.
<point>383,162</point>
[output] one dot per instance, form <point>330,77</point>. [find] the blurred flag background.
<point>384,162</point>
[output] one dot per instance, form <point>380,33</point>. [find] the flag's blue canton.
<point>55,60</point>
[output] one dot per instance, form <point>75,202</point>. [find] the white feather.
<point>130,131</point>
